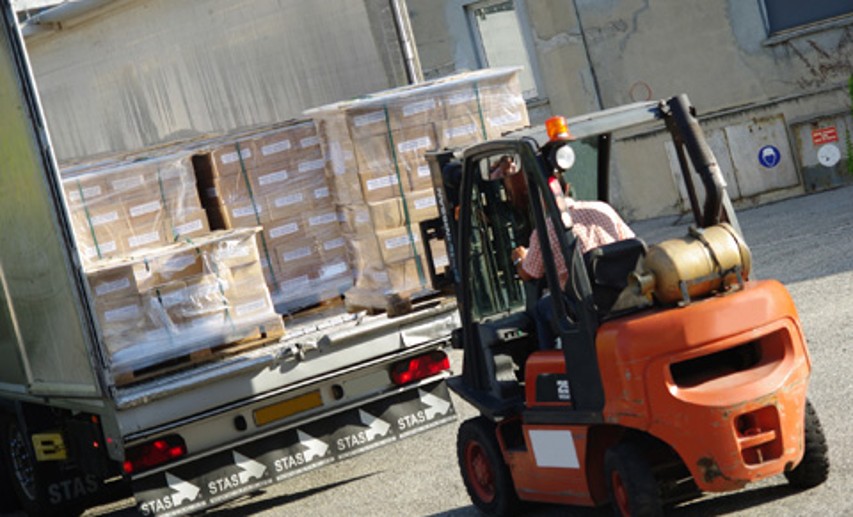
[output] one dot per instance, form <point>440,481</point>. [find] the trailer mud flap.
<point>247,468</point>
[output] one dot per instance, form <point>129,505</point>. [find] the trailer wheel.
<point>633,489</point>
<point>28,478</point>
<point>486,476</point>
<point>814,468</point>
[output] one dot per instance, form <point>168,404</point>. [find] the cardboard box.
<point>147,231</point>
<point>398,244</point>
<point>289,229</point>
<point>461,131</point>
<point>379,185</point>
<point>113,282</point>
<point>188,225</point>
<point>227,160</point>
<point>419,176</point>
<point>288,203</point>
<point>421,205</point>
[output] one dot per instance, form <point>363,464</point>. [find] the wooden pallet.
<point>262,337</point>
<point>392,304</point>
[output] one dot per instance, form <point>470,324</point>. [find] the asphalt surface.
<point>806,242</point>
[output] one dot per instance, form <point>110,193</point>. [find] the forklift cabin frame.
<point>480,383</point>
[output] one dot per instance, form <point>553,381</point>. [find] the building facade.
<point>769,78</point>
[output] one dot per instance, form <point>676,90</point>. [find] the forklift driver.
<point>594,224</point>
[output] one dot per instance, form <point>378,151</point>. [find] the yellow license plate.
<point>289,407</point>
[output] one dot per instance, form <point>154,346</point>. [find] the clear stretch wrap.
<point>380,179</point>
<point>182,298</point>
<point>276,179</point>
<point>124,209</point>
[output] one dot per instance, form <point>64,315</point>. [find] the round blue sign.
<point>769,156</point>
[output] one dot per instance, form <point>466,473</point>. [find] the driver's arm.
<point>518,255</point>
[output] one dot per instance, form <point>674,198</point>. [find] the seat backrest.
<point>608,267</point>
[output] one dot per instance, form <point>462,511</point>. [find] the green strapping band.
<point>89,219</point>
<point>254,206</point>
<point>480,109</point>
<point>421,276</point>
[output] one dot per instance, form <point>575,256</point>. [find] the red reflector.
<point>151,454</point>
<point>419,367</point>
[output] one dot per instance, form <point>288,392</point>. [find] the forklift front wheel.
<point>486,476</point>
<point>633,489</point>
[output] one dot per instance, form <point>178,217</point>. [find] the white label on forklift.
<point>275,147</point>
<point>415,144</point>
<point>554,449</point>
<point>369,118</point>
<point>273,177</point>
<point>418,107</point>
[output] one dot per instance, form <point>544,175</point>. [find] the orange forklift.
<point>673,373</point>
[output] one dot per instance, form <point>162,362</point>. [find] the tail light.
<point>419,367</point>
<point>151,454</point>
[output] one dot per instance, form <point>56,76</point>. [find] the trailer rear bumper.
<point>203,482</point>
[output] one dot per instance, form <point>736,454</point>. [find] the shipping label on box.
<point>398,244</point>
<point>228,160</point>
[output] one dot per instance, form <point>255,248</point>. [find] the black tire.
<point>814,468</point>
<point>631,484</point>
<point>28,478</point>
<point>486,476</point>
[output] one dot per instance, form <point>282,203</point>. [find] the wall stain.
<point>824,65</point>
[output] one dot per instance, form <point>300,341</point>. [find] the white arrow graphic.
<point>316,448</point>
<point>184,491</point>
<point>437,405</point>
<point>375,426</point>
<point>251,468</point>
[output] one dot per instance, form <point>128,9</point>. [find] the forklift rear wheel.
<point>486,476</point>
<point>814,468</point>
<point>633,489</point>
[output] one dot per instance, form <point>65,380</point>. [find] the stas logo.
<point>435,406</point>
<point>314,449</point>
<point>183,493</point>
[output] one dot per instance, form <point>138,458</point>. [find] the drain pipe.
<point>406,38</point>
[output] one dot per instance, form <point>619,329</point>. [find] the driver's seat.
<point>608,268</point>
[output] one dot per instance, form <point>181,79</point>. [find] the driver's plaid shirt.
<point>594,224</point>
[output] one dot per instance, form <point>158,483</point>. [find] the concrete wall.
<point>146,72</point>
<point>750,89</point>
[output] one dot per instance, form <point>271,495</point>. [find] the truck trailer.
<point>334,384</point>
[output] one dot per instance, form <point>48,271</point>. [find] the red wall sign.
<point>824,135</point>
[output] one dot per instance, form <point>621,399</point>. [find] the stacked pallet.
<point>163,285</point>
<point>276,179</point>
<point>381,182</point>
<point>176,300</point>
<point>119,209</point>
